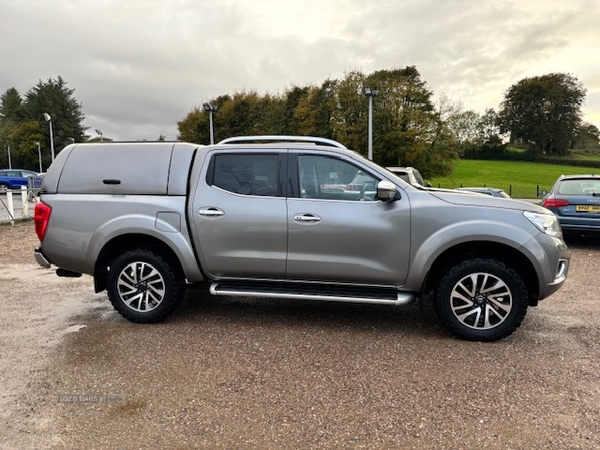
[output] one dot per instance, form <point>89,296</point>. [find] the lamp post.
<point>48,119</point>
<point>210,109</point>
<point>9,162</point>
<point>100,133</point>
<point>39,155</point>
<point>369,92</point>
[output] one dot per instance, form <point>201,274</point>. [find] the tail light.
<point>41,217</point>
<point>555,202</point>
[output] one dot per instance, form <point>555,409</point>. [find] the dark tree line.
<point>407,127</point>
<point>23,123</point>
<point>541,113</point>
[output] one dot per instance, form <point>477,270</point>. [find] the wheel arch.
<point>484,249</point>
<point>121,244</point>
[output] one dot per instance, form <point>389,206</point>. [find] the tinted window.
<point>327,178</point>
<point>246,174</point>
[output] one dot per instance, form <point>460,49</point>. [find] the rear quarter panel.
<point>75,244</point>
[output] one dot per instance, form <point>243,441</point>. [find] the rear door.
<point>338,231</point>
<point>239,214</point>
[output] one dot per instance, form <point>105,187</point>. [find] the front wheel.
<point>144,287</point>
<point>481,300</point>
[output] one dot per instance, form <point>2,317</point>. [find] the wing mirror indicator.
<point>386,191</point>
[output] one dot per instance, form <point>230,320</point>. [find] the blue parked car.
<point>15,178</point>
<point>575,199</point>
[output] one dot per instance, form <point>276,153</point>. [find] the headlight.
<point>546,223</point>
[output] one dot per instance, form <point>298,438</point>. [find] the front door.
<point>339,231</point>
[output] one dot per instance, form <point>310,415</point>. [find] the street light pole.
<point>39,155</point>
<point>210,109</point>
<point>100,133</point>
<point>48,119</point>
<point>370,93</point>
<point>9,162</point>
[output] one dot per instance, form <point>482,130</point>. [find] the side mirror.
<point>386,191</point>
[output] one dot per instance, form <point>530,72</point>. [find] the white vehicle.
<point>409,174</point>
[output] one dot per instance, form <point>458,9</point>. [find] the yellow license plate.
<point>588,208</point>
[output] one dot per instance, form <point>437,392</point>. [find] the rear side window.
<point>245,174</point>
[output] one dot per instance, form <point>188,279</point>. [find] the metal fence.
<point>18,204</point>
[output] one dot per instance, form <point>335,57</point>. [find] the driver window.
<point>325,178</point>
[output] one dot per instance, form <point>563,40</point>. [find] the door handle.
<point>211,211</point>
<point>306,218</point>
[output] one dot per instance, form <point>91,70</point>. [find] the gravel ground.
<point>263,374</point>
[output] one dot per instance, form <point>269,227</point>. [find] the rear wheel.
<point>3,188</point>
<point>143,287</point>
<point>482,300</point>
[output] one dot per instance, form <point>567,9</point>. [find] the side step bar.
<point>309,291</point>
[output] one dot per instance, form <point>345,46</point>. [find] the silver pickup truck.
<point>290,218</point>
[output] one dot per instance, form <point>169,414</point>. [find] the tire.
<point>3,188</point>
<point>481,300</point>
<point>144,287</point>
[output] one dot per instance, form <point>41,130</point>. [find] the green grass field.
<point>519,179</point>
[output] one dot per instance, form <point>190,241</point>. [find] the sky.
<point>140,66</point>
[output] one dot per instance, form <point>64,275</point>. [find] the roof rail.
<point>314,140</point>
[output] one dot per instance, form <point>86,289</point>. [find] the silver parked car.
<point>494,192</point>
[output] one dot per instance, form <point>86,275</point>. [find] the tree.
<point>314,112</point>
<point>246,113</point>
<point>488,126</point>
<point>544,112</point>
<point>464,126</point>
<point>11,106</point>
<point>587,136</point>
<point>24,150</point>
<point>350,111</point>
<point>194,127</point>
<point>55,98</point>
<point>408,131</point>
